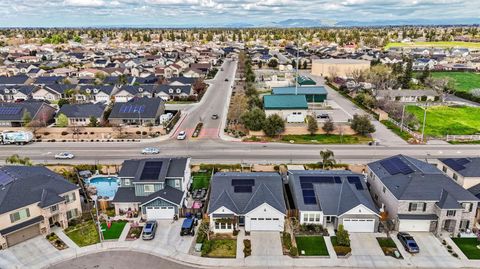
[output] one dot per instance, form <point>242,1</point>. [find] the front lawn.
<point>83,234</point>
<point>388,246</point>
<point>326,139</point>
<point>312,245</point>
<point>463,81</point>
<point>469,247</point>
<point>443,120</point>
<point>115,230</point>
<point>220,248</point>
<point>201,179</point>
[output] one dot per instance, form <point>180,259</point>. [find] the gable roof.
<point>17,110</point>
<point>140,107</point>
<point>285,102</point>
<point>107,89</point>
<point>168,168</point>
<point>82,110</point>
<point>467,167</point>
<point>267,188</point>
<point>14,80</point>
<point>25,185</point>
<point>421,182</point>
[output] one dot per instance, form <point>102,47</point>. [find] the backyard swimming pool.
<point>106,185</point>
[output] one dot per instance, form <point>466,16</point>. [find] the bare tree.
<point>76,131</point>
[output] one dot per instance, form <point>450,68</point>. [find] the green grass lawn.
<point>394,128</point>
<point>312,245</point>
<point>443,120</point>
<point>83,234</point>
<point>223,248</point>
<point>439,44</point>
<point>326,139</point>
<point>468,247</point>
<point>464,81</point>
<point>386,242</point>
<point>115,230</point>
<point>201,179</point>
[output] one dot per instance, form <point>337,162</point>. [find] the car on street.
<point>182,135</point>
<point>64,155</point>
<point>188,227</point>
<point>408,242</point>
<point>226,79</point>
<point>149,230</point>
<point>215,117</point>
<point>150,150</point>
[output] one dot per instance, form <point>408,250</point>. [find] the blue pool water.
<point>106,186</point>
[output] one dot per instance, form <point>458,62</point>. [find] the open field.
<point>442,120</point>
<point>464,81</point>
<point>440,44</point>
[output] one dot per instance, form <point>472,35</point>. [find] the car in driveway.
<point>188,227</point>
<point>408,242</point>
<point>150,150</point>
<point>149,230</point>
<point>215,117</point>
<point>64,155</point>
<point>182,135</point>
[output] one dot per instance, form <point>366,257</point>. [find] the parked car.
<point>408,242</point>
<point>226,79</point>
<point>182,135</point>
<point>150,150</point>
<point>188,227</point>
<point>64,155</point>
<point>215,117</point>
<point>149,230</point>
<point>323,116</point>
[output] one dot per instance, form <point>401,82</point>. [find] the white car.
<point>64,155</point>
<point>182,135</point>
<point>150,151</point>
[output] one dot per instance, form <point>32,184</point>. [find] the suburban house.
<point>252,200</point>
<point>333,197</point>
<point>127,92</point>
<point>137,111</point>
<point>14,80</point>
<point>13,114</point>
<point>407,96</point>
<point>33,199</point>
<point>313,94</point>
<point>80,114</point>
<point>464,171</point>
<point>292,108</point>
<point>154,187</point>
<point>16,93</point>
<point>53,92</point>
<point>167,92</point>
<point>99,93</point>
<point>417,196</point>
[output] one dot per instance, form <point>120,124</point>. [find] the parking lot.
<point>334,112</point>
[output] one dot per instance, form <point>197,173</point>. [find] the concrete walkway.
<point>124,233</point>
<point>331,251</point>
<point>59,232</point>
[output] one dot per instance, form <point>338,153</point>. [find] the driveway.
<point>168,234</point>
<point>266,244</point>
<point>365,244</point>
<point>33,251</point>
<point>432,252</point>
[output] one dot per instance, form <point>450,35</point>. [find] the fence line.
<point>406,129</point>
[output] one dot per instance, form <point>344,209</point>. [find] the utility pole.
<point>424,120</point>
<point>401,123</point>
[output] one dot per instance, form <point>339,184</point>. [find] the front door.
<point>241,221</point>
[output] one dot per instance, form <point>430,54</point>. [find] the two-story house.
<point>464,171</point>
<point>333,197</point>
<point>33,199</point>
<point>417,196</point>
<point>154,187</point>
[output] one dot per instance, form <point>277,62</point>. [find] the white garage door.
<point>359,225</point>
<point>160,212</point>
<point>414,225</point>
<point>265,224</point>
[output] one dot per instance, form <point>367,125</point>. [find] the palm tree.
<point>328,158</point>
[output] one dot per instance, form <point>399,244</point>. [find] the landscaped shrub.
<point>235,232</point>
<point>343,238</point>
<point>200,238</point>
<point>46,133</point>
<point>138,132</point>
<point>287,240</point>
<point>293,251</point>
<point>206,248</point>
<point>64,133</point>
<point>144,133</point>
<point>247,250</point>
<point>342,250</point>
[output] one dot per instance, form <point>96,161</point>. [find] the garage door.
<point>359,225</point>
<point>22,235</point>
<point>414,225</point>
<point>265,224</point>
<point>160,212</point>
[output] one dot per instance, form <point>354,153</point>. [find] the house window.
<point>217,225</point>
<point>305,217</point>
<point>384,189</point>
<point>451,213</point>
<point>417,207</point>
<point>317,217</point>
<point>70,198</point>
<point>72,214</point>
<point>126,182</point>
<point>148,188</point>
<point>19,215</point>
<point>53,208</point>
<point>464,224</point>
<point>467,207</point>
<point>177,183</point>
<point>455,176</point>
<point>311,218</point>
<point>444,169</point>
<point>376,197</point>
<point>223,226</point>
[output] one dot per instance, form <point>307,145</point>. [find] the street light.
<point>424,120</point>
<point>95,198</point>
<point>140,124</point>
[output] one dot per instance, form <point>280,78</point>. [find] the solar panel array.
<point>456,165</point>
<point>151,170</point>
<point>355,180</point>
<point>396,166</point>
<point>9,110</point>
<point>243,185</point>
<point>5,178</point>
<point>128,108</point>
<point>306,184</point>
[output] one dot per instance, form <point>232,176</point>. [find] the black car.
<point>188,227</point>
<point>215,117</point>
<point>408,242</point>
<point>226,79</point>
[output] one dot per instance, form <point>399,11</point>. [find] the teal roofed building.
<point>316,94</point>
<point>292,108</point>
<point>305,81</point>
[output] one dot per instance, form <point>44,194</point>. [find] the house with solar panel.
<point>137,111</point>
<point>418,197</point>
<point>16,93</point>
<point>333,197</point>
<point>12,114</point>
<point>464,171</point>
<point>32,200</point>
<point>154,187</point>
<point>254,201</point>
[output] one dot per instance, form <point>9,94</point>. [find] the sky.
<point>204,13</point>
